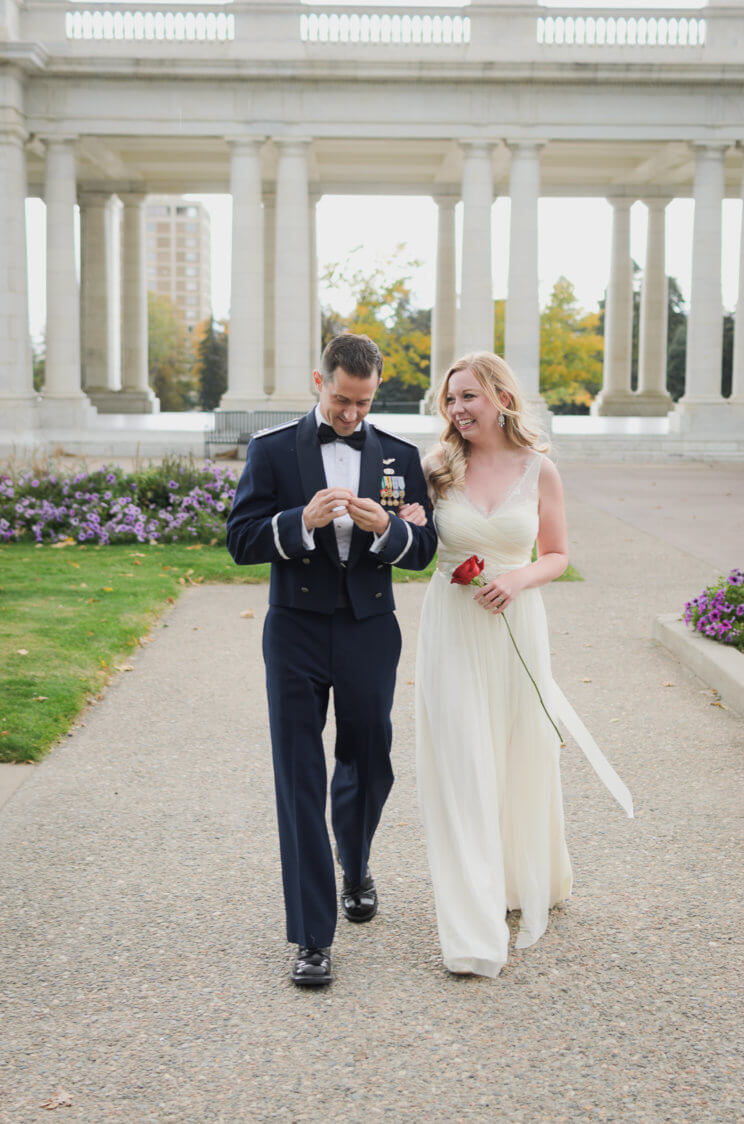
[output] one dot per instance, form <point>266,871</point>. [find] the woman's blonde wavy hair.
<point>448,461</point>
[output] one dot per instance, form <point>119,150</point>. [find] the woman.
<point>487,753</point>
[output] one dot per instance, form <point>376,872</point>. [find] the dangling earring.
<point>502,420</point>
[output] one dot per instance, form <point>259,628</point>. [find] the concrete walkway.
<point>143,970</point>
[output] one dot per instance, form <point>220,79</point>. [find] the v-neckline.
<point>506,496</point>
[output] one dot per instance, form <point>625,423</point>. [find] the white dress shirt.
<point>342,466</point>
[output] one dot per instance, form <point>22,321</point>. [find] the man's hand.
<point>368,515</point>
<point>325,506</point>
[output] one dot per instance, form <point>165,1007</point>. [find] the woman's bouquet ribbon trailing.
<point>470,572</point>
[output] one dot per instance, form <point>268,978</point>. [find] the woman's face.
<point>470,410</point>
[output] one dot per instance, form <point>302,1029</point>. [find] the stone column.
<point>113,275</point>
<point>18,401</point>
<point>292,333</point>
<point>269,232</point>
<point>100,363</point>
<point>64,403</point>
<point>653,398</point>
<point>703,411</point>
<point>615,397</point>
<point>475,321</point>
<point>135,396</point>
<point>737,380</point>
<point>445,299</point>
<point>245,390</point>
<point>522,327</point>
<point>315,317</point>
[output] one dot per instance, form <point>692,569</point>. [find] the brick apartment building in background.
<point>178,255</point>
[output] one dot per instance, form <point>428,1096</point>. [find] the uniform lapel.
<point>313,478</point>
<point>370,475</point>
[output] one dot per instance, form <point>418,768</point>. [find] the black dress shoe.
<point>359,903</point>
<point>312,967</point>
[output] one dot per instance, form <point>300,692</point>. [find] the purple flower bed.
<point>176,501</point>
<point>718,612</point>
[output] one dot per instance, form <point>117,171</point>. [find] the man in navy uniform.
<point>323,499</point>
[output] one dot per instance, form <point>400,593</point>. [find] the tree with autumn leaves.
<point>570,339</point>
<point>571,351</point>
<point>384,312</point>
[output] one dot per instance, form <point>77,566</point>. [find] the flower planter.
<point>718,665</point>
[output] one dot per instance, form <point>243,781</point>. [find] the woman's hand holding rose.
<point>498,594</point>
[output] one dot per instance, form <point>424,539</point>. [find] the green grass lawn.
<point>69,616</point>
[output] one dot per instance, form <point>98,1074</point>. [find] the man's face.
<point>345,399</point>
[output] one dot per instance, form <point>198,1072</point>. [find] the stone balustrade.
<point>375,26</point>
<point>189,23</point>
<point>289,30</point>
<point>599,29</point>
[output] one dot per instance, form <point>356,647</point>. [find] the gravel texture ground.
<point>143,968</point>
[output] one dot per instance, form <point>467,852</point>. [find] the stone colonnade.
<point>700,408</point>
<point>97,338</point>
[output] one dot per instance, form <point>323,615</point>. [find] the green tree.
<point>170,356</point>
<point>211,363</point>
<point>571,350</point>
<point>499,326</point>
<point>38,359</point>
<point>727,359</point>
<point>383,310</point>
<point>676,340</point>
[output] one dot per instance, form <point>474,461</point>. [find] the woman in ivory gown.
<point>487,755</point>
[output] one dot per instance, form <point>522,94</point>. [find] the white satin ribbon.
<point>565,713</point>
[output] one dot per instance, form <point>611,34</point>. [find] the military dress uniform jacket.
<point>283,471</point>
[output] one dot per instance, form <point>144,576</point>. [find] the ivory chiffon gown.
<point>487,757</point>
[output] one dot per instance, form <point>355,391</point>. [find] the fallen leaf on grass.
<point>248,614</point>
<point>40,698</point>
<point>104,664</point>
<point>60,1099</point>
<point>197,545</point>
<point>137,554</point>
<point>108,589</point>
<point>62,542</point>
<point>171,600</point>
<point>22,651</point>
<point>136,563</point>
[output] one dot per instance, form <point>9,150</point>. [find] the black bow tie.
<point>327,433</point>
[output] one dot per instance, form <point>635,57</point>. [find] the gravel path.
<point>143,970</point>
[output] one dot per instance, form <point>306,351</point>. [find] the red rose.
<point>467,571</point>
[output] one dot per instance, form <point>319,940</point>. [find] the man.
<point>318,499</point>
